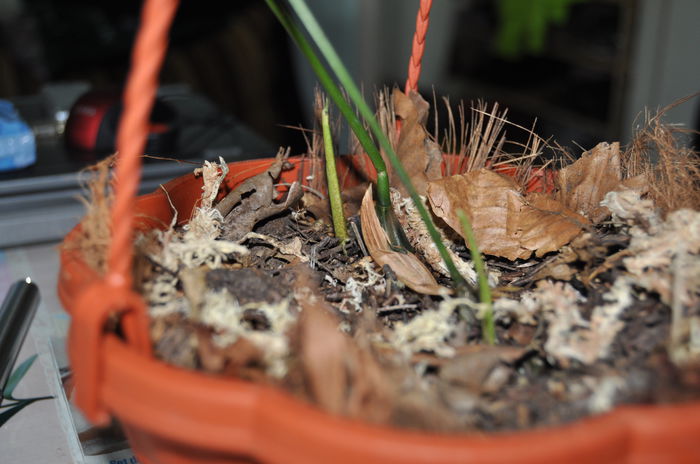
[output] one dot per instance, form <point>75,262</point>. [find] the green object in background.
<point>524,24</point>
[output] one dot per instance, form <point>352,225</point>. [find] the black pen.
<point>16,316</point>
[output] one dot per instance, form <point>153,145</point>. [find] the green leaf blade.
<point>16,376</point>
<point>17,407</point>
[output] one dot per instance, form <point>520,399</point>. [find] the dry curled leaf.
<point>583,184</point>
<point>481,368</point>
<point>323,350</point>
<point>420,156</point>
<point>343,375</point>
<point>505,222</point>
<point>546,224</point>
<point>407,267</point>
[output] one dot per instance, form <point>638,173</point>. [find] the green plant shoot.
<point>384,207</point>
<point>385,212</point>
<point>488,328</point>
<point>332,177</point>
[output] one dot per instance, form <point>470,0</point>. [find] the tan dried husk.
<point>343,374</point>
<point>419,237</point>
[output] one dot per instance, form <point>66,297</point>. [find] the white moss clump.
<point>355,287</point>
<point>225,315</point>
<point>603,397</point>
<point>198,242</point>
<point>523,310</point>
<point>163,297</point>
<point>570,337</point>
<point>429,331</point>
<point>653,253</point>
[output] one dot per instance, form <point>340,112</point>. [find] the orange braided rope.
<point>149,52</point>
<point>414,64</point>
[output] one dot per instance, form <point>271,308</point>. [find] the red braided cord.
<point>414,64</point>
<point>147,58</point>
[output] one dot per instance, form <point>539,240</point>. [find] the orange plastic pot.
<point>177,416</point>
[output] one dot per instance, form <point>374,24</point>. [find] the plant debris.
<point>596,286</point>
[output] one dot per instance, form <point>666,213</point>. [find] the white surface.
<point>42,432</point>
<point>45,432</point>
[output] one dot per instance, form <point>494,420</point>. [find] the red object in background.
<point>87,117</point>
<point>94,119</point>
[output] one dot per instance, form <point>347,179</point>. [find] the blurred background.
<point>584,70</point>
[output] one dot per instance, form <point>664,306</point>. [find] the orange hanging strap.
<point>149,52</point>
<point>414,64</point>
<point>103,299</point>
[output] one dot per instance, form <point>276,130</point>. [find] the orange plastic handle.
<point>86,337</point>
<point>114,295</point>
<point>139,95</point>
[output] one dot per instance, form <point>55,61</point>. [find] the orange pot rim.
<point>165,406</point>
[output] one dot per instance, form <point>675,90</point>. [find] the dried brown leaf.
<point>505,222</point>
<point>320,207</point>
<point>481,368</point>
<point>253,200</point>
<point>241,358</point>
<point>420,156</point>
<point>488,213</point>
<point>556,270</point>
<point>175,340</point>
<point>343,375</point>
<point>547,225</point>
<point>583,184</point>
<point>426,408</point>
<point>407,267</point>
<point>323,352</point>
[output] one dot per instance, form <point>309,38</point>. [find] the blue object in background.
<point>17,145</point>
